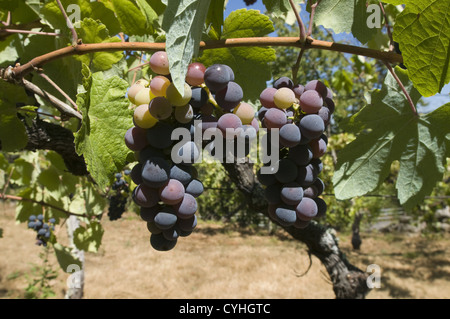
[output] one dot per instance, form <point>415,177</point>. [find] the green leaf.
<point>183,23</point>
<point>151,16</point>
<point>13,135</point>
<point>250,65</point>
<point>348,16</point>
<point>106,118</point>
<point>389,131</point>
<point>90,238</point>
<point>423,32</point>
<point>93,32</point>
<point>65,258</point>
<point>214,19</point>
<point>25,209</point>
<point>281,9</point>
<point>131,19</point>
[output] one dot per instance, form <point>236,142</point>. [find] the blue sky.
<point>435,101</point>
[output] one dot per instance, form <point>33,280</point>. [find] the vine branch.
<point>69,23</point>
<point>80,49</point>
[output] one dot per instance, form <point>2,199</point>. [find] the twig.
<point>299,21</point>
<point>296,66</point>
<point>138,67</point>
<point>311,17</point>
<point>69,23</point>
<point>388,28</point>
<point>54,34</point>
<point>42,203</point>
<point>59,90</point>
<point>41,113</point>
<point>408,97</point>
<point>57,103</point>
<point>7,182</point>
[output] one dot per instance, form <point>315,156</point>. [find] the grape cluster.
<point>42,228</point>
<point>118,200</point>
<point>167,184</point>
<point>301,115</point>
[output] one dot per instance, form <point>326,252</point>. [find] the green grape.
<point>144,96</point>
<point>176,98</point>
<point>284,98</point>
<point>143,118</point>
<point>245,112</point>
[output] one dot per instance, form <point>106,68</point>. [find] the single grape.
<point>195,74</point>
<point>144,96</point>
<point>273,193</point>
<point>283,82</point>
<point>325,115</point>
<point>165,219</point>
<point>155,172</point>
<point>330,104</point>
<point>181,173</point>
<point>152,228</point>
<point>245,112</point>
<point>291,193</point>
<point>176,98</point>
<point>188,153</point>
<point>142,117</point>
<point>217,77</point>
<point>307,209</point>
<point>187,207</point>
<point>298,90</point>
<point>267,98</point>
<point>275,118</point>
<point>160,108</point>
<point>290,135</point>
<point>286,216</point>
<point>172,192</point>
<point>159,63</point>
<point>160,243</point>
<point>145,196</point>
<point>229,97</point>
<point>317,86</point>
<point>159,85</point>
<point>230,122</point>
<point>133,90</point>
<point>148,213</point>
<point>136,138</point>
<point>171,234</point>
<point>311,102</point>
<point>306,175</point>
<point>284,98</point>
<point>321,207</point>
<point>312,126</point>
<point>195,188</point>
<point>266,179</point>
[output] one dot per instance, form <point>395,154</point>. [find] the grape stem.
<point>388,28</point>
<point>301,25</point>
<point>44,76</point>
<point>212,100</point>
<point>311,19</point>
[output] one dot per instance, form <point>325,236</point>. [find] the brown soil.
<point>219,262</point>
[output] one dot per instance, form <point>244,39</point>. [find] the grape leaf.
<point>348,16</point>
<point>93,32</point>
<point>106,118</point>
<point>388,131</point>
<point>131,19</point>
<point>151,17</point>
<point>183,23</point>
<point>214,19</point>
<point>89,238</point>
<point>65,258</point>
<point>250,64</point>
<point>13,135</point>
<point>423,32</point>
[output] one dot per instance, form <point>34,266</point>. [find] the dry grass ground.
<point>218,262</point>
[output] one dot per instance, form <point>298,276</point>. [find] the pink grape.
<point>195,74</point>
<point>230,121</point>
<point>275,118</point>
<point>172,192</point>
<point>159,85</point>
<point>311,102</point>
<point>159,63</point>
<point>266,98</point>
